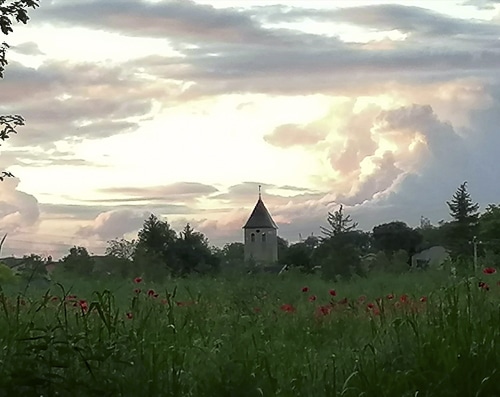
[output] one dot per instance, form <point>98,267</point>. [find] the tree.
<point>154,255</point>
<point>339,223</point>
<point>193,253</point>
<point>394,236</point>
<point>233,254</point>
<point>464,224</point>
<point>78,262</point>
<point>121,248</point>
<point>489,228</point>
<point>10,12</point>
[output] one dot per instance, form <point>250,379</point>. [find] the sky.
<point>182,108</point>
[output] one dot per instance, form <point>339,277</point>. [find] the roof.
<point>260,217</point>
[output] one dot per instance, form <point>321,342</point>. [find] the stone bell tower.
<point>260,234</point>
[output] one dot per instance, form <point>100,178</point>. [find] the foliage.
<point>394,236</point>
<point>7,276</point>
<point>389,336</point>
<point>10,12</point>
<point>78,262</point>
<point>489,228</point>
<point>32,267</point>
<point>339,223</point>
<point>121,248</point>
<point>464,225</point>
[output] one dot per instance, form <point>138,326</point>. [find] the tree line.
<point>342,250</point>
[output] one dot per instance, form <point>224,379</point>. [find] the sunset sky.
<point>182,108</point>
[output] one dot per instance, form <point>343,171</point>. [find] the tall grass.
<point>418,334</point>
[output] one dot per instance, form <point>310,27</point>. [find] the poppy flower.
<point>151,292</point>
<point>287,308</point>
<point>484,286</point>
<point>137,291</point>
<point>323,310</point>
<point>332,292</point>
<point>489,270</point>
<point>83,305</point>
<point>390,296</point>
<point>403,298</point>
<point>138,280</point>
<point>312,298</point>
<point>370,306</point>
<point>130,316</point>
<point>305,289</point>
<point>423,299</point>
<point>361,299</point>
<point>54,298</point>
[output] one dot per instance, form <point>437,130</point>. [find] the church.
<point>261,235</point>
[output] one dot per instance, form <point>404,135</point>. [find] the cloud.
<point>27,48</point>
<point>179,191</point>
<point>17,209</point>
<point>288,135</point>
<point>114,224</point>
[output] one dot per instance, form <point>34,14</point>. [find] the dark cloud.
<point>179,190</point>
<point>27,48</point>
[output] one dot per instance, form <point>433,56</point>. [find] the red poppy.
<point>54,298</point>
<point>323,310</point>
<point>287,308</point>
<point>137,291</point>
<point>312,298</point>
<point>332,292</point>
<point>138,280</point>
<point>370,306</point>
<point>390,296</point>
<point>71,298</point>
<point>83,305</point>
<point>376,311</point>
<point>423,299</point>
<point>130,316</point>
<point>484,286</point>
<point>489,270</point>
<point>151,292</point>
<point>403,298</point>
<point>305,289</point>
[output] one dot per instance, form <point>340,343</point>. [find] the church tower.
<point>261,237</point>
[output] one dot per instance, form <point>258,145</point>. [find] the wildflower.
<point>332,292</point>
<point>54,299</point>
<point>370,306</point>
<point>137,291</point>
<point>484,286</point>
<point>376,311</point>
<point>305,289</point>
<point>71,298</point>
<point>489,270</point>
<point>287,308</point>
<point>390,296</point>
<point>138,280</point>
<point>361,299</point>
<point>323,310</point>
<point>403,298</point>
<point>423,299</point>
<point>312,298</point>
<point>151,292</point>
<point>83,305</point>
<point>130,316</point>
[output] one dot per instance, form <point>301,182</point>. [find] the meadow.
<point>416,334</point>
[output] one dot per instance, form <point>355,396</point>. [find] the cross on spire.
<point>260,196</point>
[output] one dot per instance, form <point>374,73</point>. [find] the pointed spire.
<point>260,194</point>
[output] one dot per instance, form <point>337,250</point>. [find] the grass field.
<point>418,334</point>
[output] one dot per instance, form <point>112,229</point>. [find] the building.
<point>261,235</point>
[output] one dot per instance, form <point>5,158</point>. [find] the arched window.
<point>252,237</point>
<point>263,237</point>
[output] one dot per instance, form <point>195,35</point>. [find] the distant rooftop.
<point>260,217</point>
